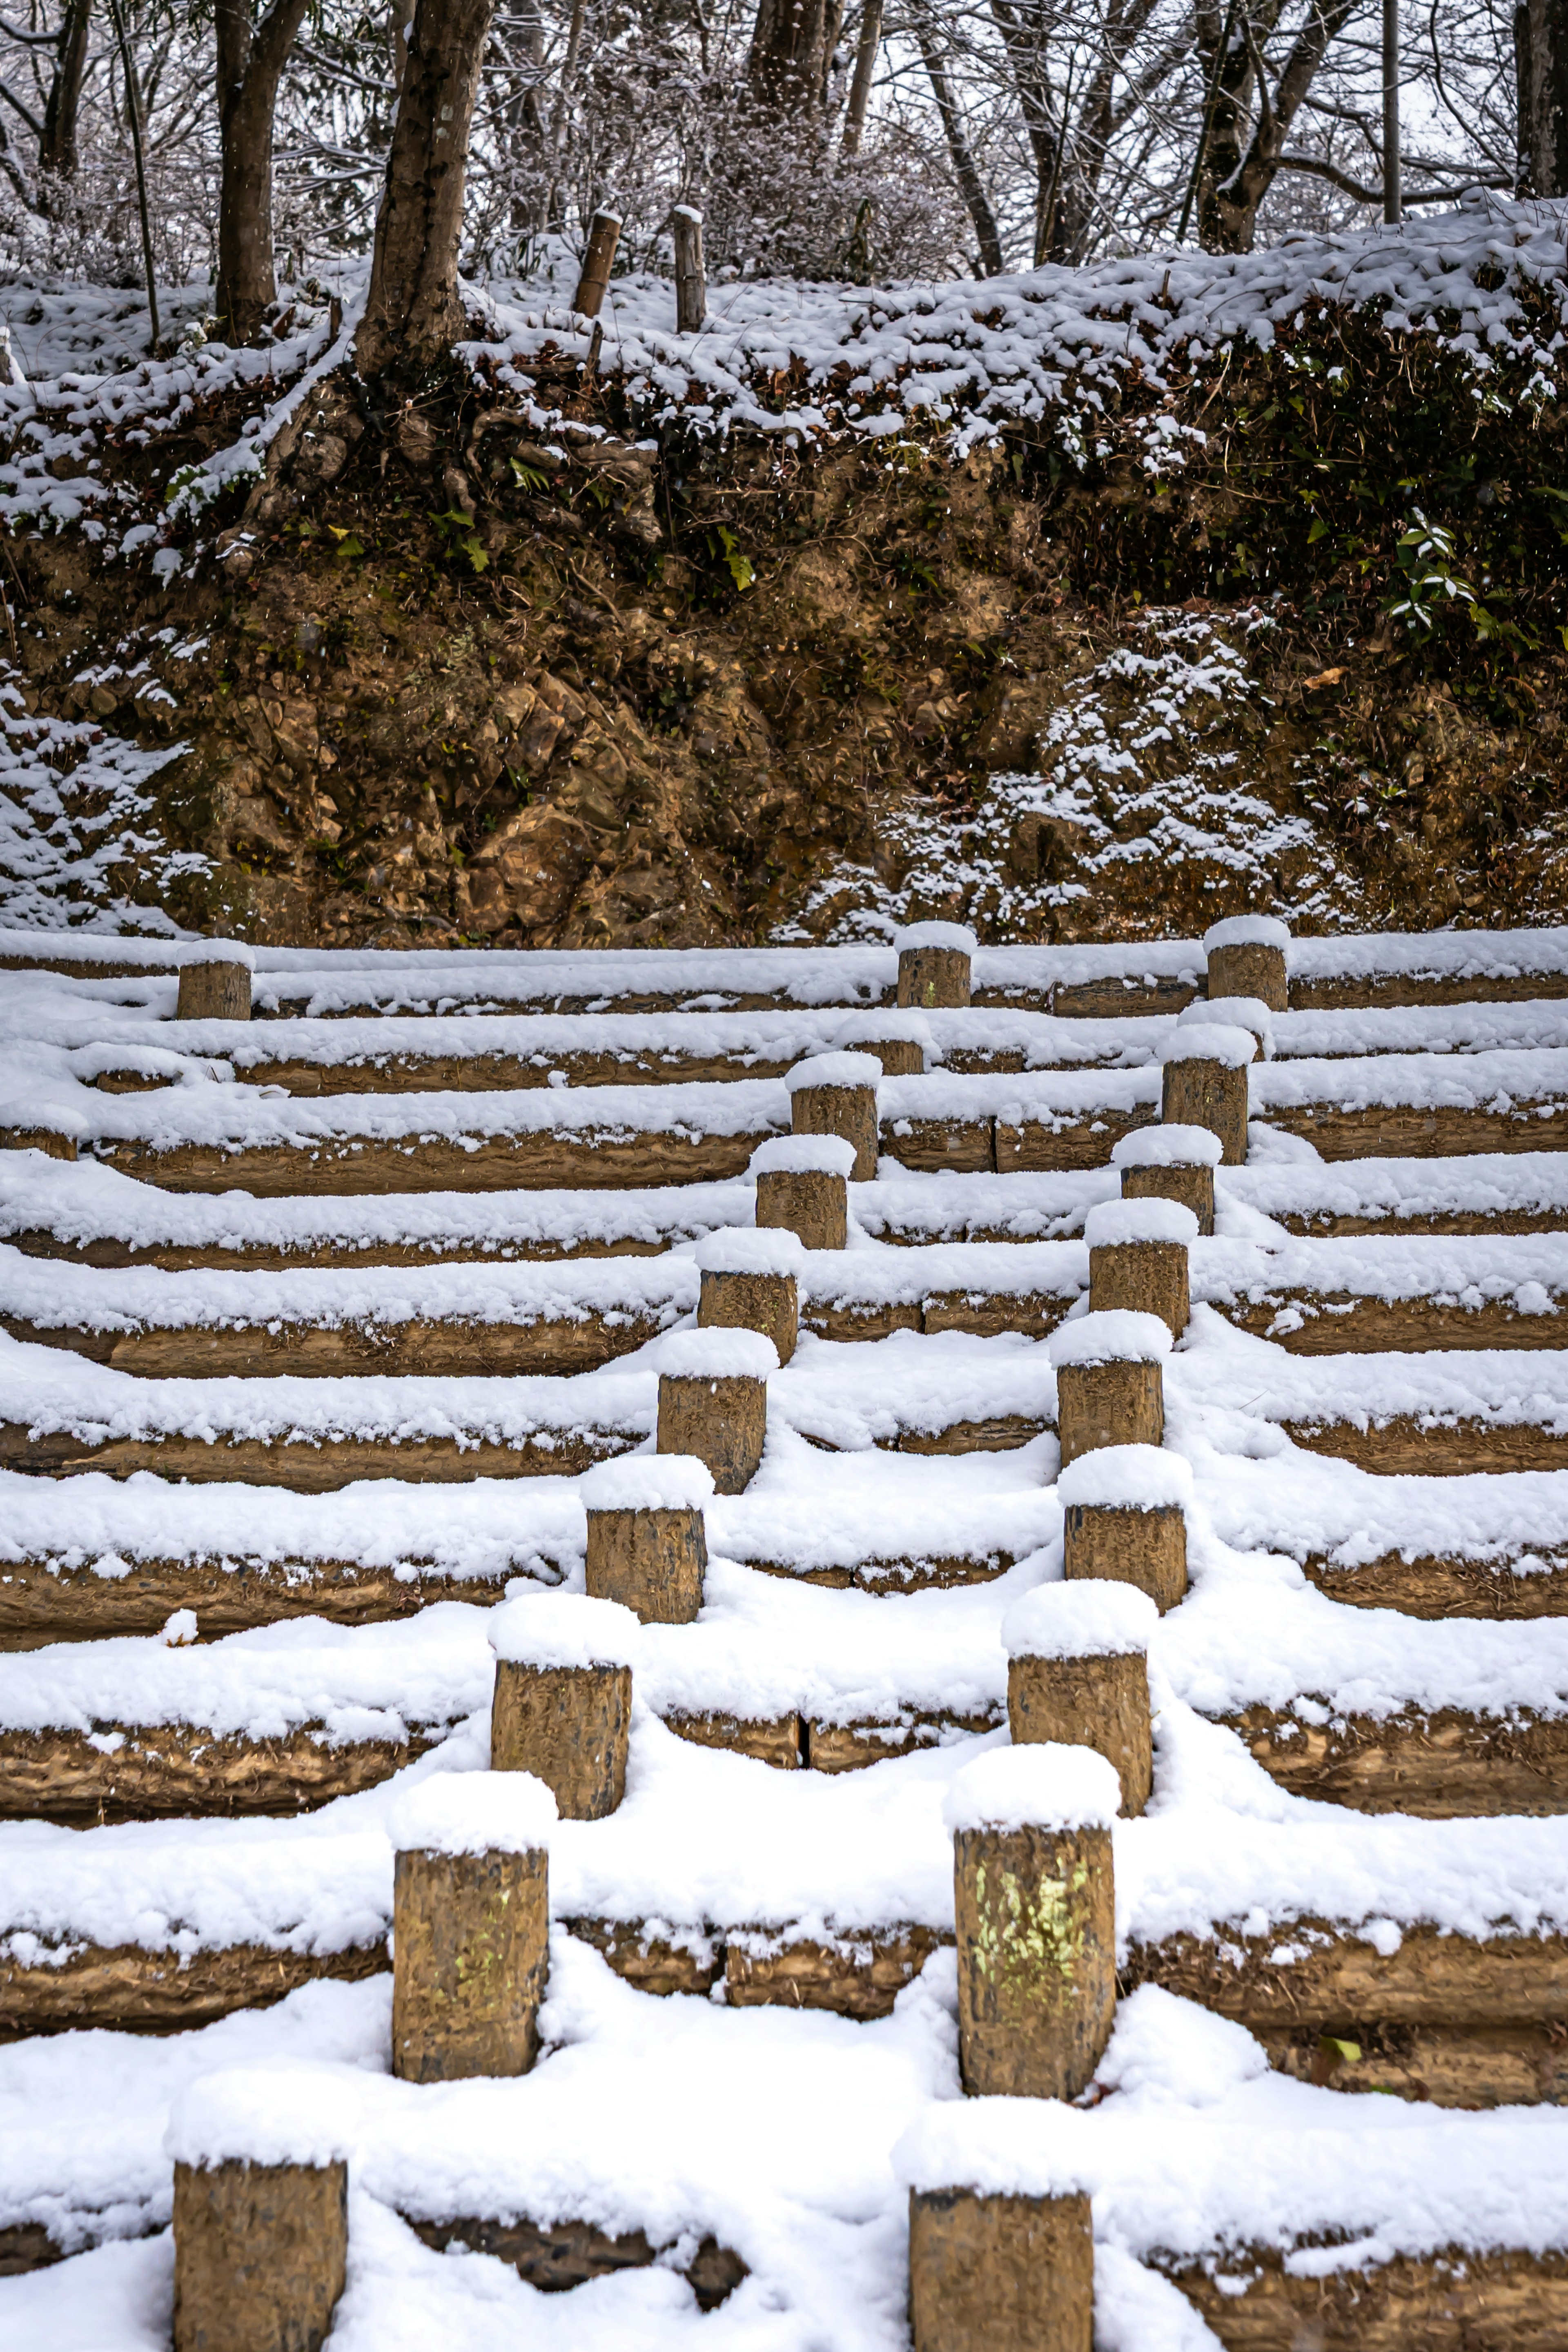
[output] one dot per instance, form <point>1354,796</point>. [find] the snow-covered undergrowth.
<point>1140,774</point>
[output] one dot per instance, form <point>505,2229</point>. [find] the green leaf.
<point>1350,2051</point>
<point>1320,530</point>
<point>739,567</point>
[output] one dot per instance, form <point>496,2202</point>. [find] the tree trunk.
<point>250,62</point>
<point>964,169</point>
<point>866,50</point>
<point>1540,60</point>
<point>792,43</point>
<point>1235,183</point>
<point>413,313</point>
<point>57,148</point>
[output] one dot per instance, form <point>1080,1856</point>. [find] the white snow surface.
<point>476,1812</point>
<point>1089,1618</point>
<point>1043,1786</point>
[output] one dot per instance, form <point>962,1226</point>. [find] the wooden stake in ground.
<point>260,2211</point>
<point>213,988</point>
<point>647,1546</point>
<point>835,1094</point>
<point>1171,1163</point>
<point>802,1187</point>
<point>1110,1382</point>
<point>713,1401</point>
<point>935,965</point>
<point>471,1926</point>
<point>999,2274</point>
<point>1036,1919</point>
<point>1205,1084</point>
<point>690,282</point>
<point>413,313</point>
<point>604,235</point>
<point>1124,1519</point>
<point>562,1702</point>
<point>1077,1674</point>
<point>1138,1259</point>
<point>751,1283</point>
<point>1246,957</point>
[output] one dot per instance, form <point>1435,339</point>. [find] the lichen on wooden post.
<point>713,1401</point>
<point>260,2210</point>
<point>936,965</point>
<point>215,987</point>
<point>835,1094</point>
<point>750,1283</point>
<point>1036,1918</point>
<point>1246,957</point>
<point>802,1187</point>
<point>691,278</point>
<point>1171,1163</point>
<point>563,1702</point>
<point>999,2272</point>
<point>1110,1382</point>
<point>1205,1084</point>
<point>647,1546</point>
<point>1124,1519</point>
<point>471,1926</point>
<point>1138,1259</point>
<point>1077,1674</point>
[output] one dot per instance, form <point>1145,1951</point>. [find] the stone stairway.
<point>1230,1275</point>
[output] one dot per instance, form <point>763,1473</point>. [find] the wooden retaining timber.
<point>541,1162</point>
<point>1434,1765</point>
<point>1346,1323</point>
<point>42,1601</point>
<point>1432,1587</point>
<point>305,1467</point>
<point>1455,2301</point>
<point>1393,1132</point>
<point>1439,1224</point>
<point>109,1251</point>
<point>569,2253</point>
<point>1451,1448</point>
<point>154,1772</point>
<point>129,1989</point>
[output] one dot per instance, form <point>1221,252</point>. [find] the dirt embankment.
<point>440,679</point>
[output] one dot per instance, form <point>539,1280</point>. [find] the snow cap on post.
<point>1042,1787</point>
<point>804,1155</point>
<point>1211,1041</point>
<point>1111,1222</point>
<point>835,1070</point>
<point>1115,1336</point>
<point>720,1353</point>
<point>957,937</point>
<point>475,1812</point>
<point>1174,1146</point>
<point>274,2115</point>
<point>564,1630</point>
<point>644,1482</point>
<point>1093,1619</point>
<point>1126,1478</point>
<point>876,1028</point>
<point>1248,931</point>
<point>1232,1011</point>
<point>216,951</point>
<point>753,1249</point>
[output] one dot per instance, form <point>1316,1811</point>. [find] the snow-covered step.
<point>1437,1413</point>
<point>472,1321</point>
<point>1394,1293</point>
<point>948,1391</point>
<point>795,1888</point>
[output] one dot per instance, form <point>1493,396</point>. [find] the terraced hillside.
<point>1028,1346</point>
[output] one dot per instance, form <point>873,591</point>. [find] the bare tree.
<point>411,310</point>
<point>1541,51</point>
<point>251,56</point>
<point>57,152</point>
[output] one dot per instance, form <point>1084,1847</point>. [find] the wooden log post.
<point>750,1283</point>
<point>647,1547</point>
<point>1205,1084</point>
<point>997,2273</point>
<point>1111,1386</point>
<point>713,1401</point>
<point>1138,1259</point>
<point>261,2213</point>
<point>904,1043</point>
<point>802,1187</point>
<point>604,235</point>
<point>562,1702</point>
<point>215,987</point>
<point>1246,957</point>
<point>835,1094</point>
<point>1078,1672</point>
<point>470,1925</point>
<point>936,965</point>
<point>1036,1919</point>
<point>691,279</point>
<point>1125,1519</point>
<point>1171,1163</point>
